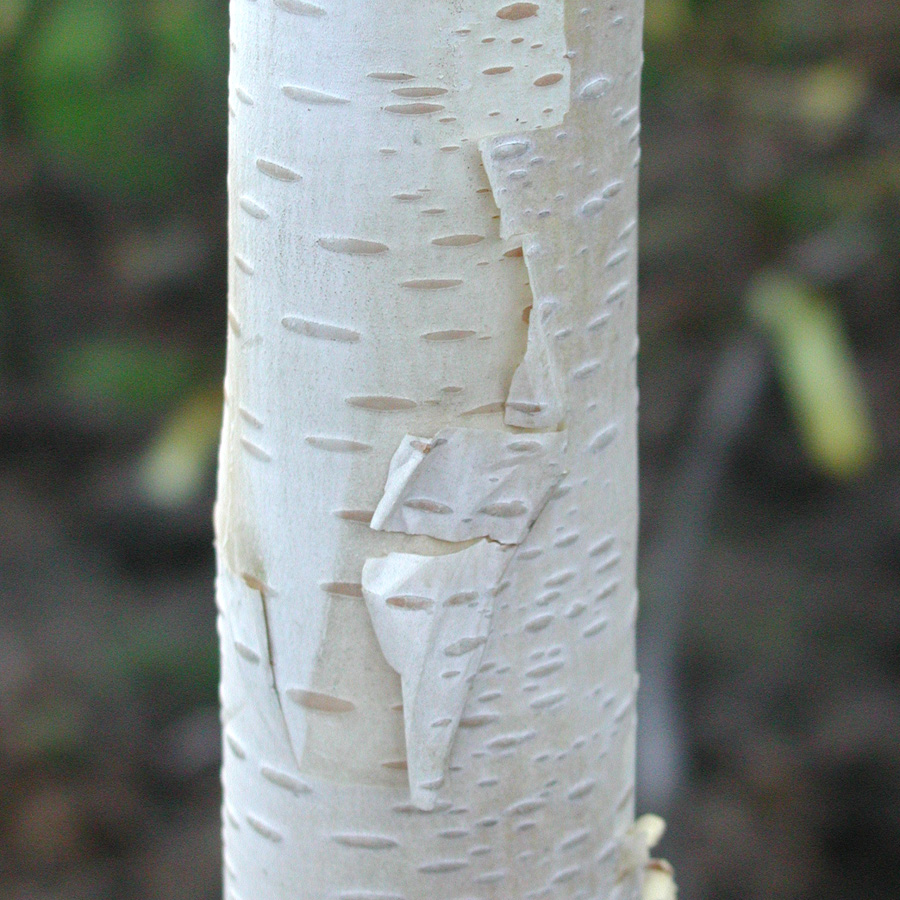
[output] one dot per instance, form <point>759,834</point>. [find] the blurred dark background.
<point>770,385</point>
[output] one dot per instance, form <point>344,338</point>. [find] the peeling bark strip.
<point>467,484</point>
<point>435,642</point>
<point>376,302</point>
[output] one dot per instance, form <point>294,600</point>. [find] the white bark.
<point>453,718</point>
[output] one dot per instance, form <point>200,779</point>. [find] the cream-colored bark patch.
<point>659,881</point>
<point>350,695</point>
<point>654,876</point>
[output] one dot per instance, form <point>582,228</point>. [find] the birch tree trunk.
<point>426,520</point>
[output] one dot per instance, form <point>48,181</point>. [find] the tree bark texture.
<point>426,521</point>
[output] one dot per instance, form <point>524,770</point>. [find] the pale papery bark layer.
<point>406,180</point>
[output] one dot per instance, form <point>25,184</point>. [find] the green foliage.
<point>140,376</point>
<point>819,197</point>
<point>105,89</point>
<point>12,15</point>
<point>154,659</point>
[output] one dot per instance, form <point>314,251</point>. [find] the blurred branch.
<point>668,574</point>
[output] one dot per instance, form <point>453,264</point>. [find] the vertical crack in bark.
<point>262,589</point>
<point>270,655</point>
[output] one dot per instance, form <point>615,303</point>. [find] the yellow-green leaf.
<point>819,373</point>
